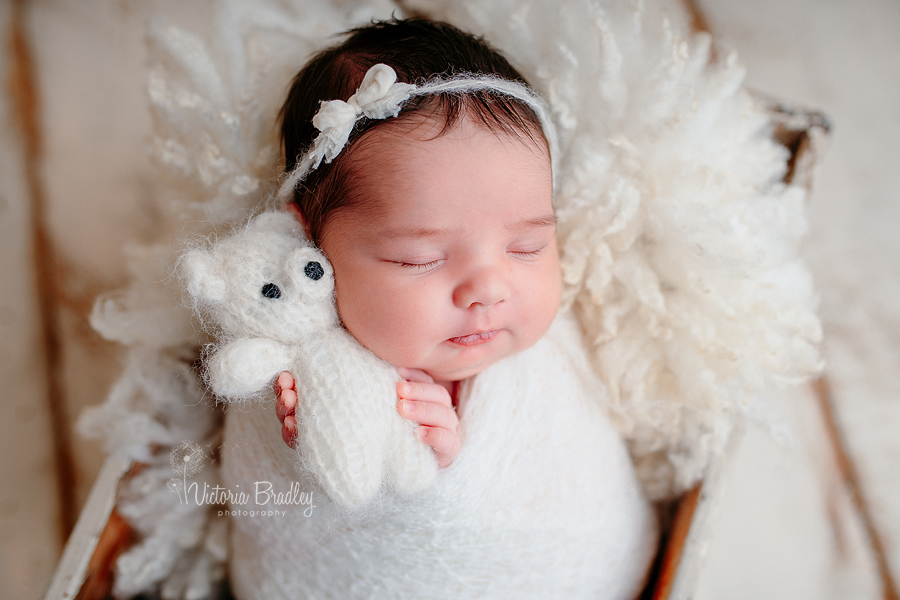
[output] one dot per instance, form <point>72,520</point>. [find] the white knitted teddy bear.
<point>269,294</point>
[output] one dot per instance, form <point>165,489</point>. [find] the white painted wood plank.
<point>72,567</point>
<point>704,523</point>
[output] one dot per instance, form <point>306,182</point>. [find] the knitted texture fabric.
<point>541,502</point>
<point>269,295</point>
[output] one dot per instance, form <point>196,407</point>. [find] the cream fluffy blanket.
<point>542,501</point>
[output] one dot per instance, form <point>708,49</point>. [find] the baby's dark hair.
<point>418,50</point>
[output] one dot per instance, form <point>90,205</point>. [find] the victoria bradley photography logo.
<point>188,458</point>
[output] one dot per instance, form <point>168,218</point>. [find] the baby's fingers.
<point>286,404</point>
<point>431,414</point>
<point>444,443</point>
<point>289,431</point>
<point>285,395</point>
<point>429,392</point>
<point>430,405</point>
<point>285,381</point>
<point>415,375</point>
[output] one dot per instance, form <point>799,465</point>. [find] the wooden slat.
<point>693,525</point>
<point>851,478</point>
<point>675,544</point>
<point>93,522</point>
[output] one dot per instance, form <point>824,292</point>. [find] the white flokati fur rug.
<point>679,241</point>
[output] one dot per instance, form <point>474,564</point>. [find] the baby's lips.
<point>473,339</point>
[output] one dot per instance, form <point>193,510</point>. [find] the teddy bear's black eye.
<point>314,270</point>
<point>271,291</point>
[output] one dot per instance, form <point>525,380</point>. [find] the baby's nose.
<point>485,286</point>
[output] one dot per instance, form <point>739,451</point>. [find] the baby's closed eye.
<point>419,265</point>
<point>527,254</point>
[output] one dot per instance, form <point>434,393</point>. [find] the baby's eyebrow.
<point>414,232</point>
<point>543,221</point>
<point>427,232</point>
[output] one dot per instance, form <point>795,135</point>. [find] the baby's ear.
<point>199,273</point>
<point>311,272</point>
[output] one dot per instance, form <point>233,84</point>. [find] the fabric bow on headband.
<point>379,96</point>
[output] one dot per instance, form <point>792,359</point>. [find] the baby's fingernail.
<point>421,433</point>
<point>407,406</point>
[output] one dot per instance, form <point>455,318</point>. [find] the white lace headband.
<point>379,96</point>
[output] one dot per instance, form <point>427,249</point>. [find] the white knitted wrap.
<point>679,242</point>
<point>541,502</point>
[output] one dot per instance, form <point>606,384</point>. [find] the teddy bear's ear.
<point>311,272</point>
<point>197,271</point>
<point>275,221</point>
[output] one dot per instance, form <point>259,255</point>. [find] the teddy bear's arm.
<point>245,367</point>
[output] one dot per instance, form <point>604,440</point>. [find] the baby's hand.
<point>429,404</point>
<point>285,405</point>
<point>422,401</point>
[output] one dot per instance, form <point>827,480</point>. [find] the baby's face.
<point>450,262</point>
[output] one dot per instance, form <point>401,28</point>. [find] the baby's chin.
<point>470,362</point>
<point>441,376</point>
<point>464,371</point>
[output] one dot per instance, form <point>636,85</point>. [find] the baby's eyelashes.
<point>419,266</point>
<point>526,254</point>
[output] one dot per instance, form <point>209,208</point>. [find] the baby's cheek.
<point>542,303</point>
<point>404,331</point>
<point>390,324</point>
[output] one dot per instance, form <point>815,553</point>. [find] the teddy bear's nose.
<point>271,291</point>
<point>314,270</point>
